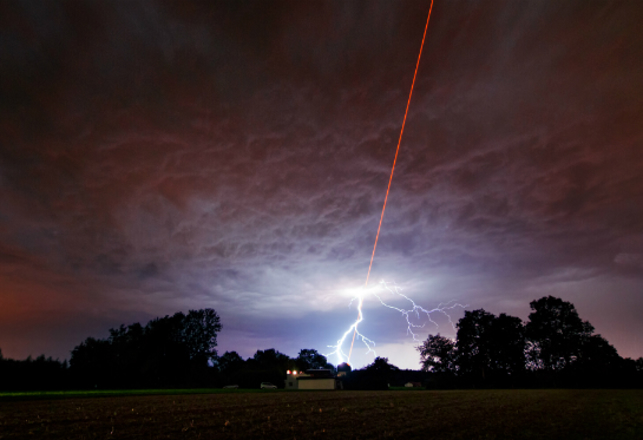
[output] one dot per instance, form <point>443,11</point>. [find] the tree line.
<point>170,352</point>
<point>40,373</point>
<point>554,348</point>
<point>167,352</point>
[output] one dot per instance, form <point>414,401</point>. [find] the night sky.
<point>158,157</point>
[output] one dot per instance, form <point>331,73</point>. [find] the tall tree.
<point>508,344</point>
<point>199,333</point>
<point>490,344</point>
<point>474,342</point>
<point>438,354</point>
<point>556,333</point>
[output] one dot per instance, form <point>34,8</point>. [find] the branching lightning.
<point>415,310</point>
<point>412,313</point>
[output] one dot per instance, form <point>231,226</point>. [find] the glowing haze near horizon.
<point>160,156</point>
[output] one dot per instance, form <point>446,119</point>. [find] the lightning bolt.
<point>413,312</point>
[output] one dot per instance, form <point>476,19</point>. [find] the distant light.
<point>287,371</point>
<point>294,372</point>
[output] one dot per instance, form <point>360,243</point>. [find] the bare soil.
<point>488,414</point>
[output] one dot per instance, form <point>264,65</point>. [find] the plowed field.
<point>488,414</point>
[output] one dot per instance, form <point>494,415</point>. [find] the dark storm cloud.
<point>536,125</point>
<point>161,156</point>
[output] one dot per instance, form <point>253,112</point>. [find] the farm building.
<point>310,380</point>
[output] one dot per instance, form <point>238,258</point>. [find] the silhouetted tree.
<point>597,364</point>
<point>596,350</point>
<point>474,343</point>
<point>92,363</point>
<point>127,345</point>
<point>230,362</point>
<point>167,356</point>
<point>438,354</point>
<point>273,359</point>
<point>490,347</point>
<point>508,344</point>
<point>556,333</point>
<point>199,331</point>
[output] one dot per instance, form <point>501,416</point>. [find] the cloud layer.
<point>161,157</point>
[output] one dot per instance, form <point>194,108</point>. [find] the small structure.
<point>413,385</point>
<point>310,380</point>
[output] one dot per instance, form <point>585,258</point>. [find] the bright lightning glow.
<point>412,312</point>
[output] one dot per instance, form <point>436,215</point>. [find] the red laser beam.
<point>397,150</point>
